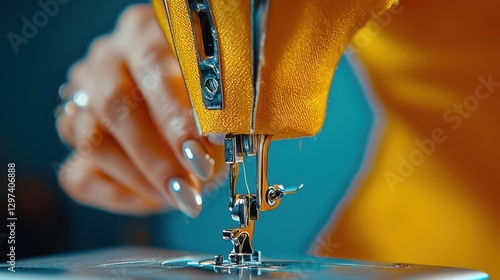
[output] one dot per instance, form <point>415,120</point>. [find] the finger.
<point>106,155</point>
<point>65,116</point>
<point>115,100</point>
<point>135,20</point>
<point>158,76</point>
<point>67,90</point>
<point>91,187</point>
<point>216,138</point>
<point>65,113</point>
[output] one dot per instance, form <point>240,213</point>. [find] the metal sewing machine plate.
<point>151,264</point>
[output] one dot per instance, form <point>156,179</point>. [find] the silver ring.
<point>72,100</point>
<point>67,93</point>
<point>81,99</point>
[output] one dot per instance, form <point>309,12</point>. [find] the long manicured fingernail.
<point>187,198</point>
<point>199,161</point>
<point>216,138</point>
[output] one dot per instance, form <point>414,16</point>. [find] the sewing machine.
<point>222,109</point>
<point>240,88</point>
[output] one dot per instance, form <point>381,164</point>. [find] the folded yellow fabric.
<point>303,43</point>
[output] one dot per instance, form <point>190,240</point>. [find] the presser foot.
<point>246,208</point>
<point>244,211</point>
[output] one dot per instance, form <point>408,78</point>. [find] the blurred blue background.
<point>49,222</point>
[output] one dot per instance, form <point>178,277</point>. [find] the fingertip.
<point>187,198</point>
<point>216,138</point>
<point>198,160</point>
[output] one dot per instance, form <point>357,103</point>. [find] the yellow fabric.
<point>161,16</point>
<point>303,43</point>
<point>235,60</point>
<point>429,59</point>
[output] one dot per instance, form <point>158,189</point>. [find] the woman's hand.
<point>136,147</point>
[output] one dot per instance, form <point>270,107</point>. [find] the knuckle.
<point>147,63</point>
<point>77,71</point>
<point>107,95</point>
<point>135,16</point>
<point>98,49</point>
<point>87,129</point>
<point>100,45</point>
<point>107,101</point>
<point>148,54</point>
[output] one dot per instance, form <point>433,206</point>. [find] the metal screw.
<point>272,196</point>
<point>218,259</point>
<point>211,86</point>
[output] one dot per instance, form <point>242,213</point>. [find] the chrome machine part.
<point>246,208</point>
<point>207,52</point>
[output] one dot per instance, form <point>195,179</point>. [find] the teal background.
<point>325,164</point>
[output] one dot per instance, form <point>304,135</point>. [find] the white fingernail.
<point>199,161</point>
<point>216,138</point>
<point>187,198</point>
